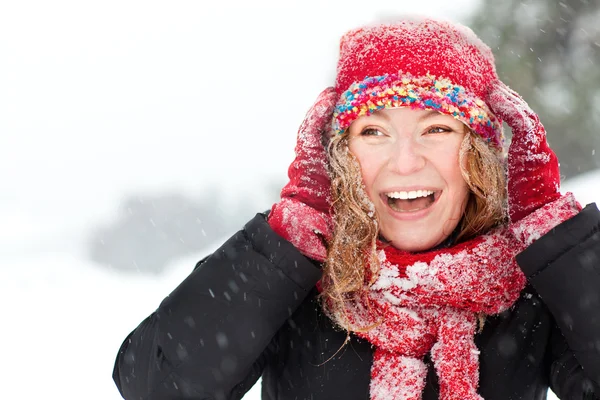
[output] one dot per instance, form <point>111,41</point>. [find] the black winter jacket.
<point>250,310</point>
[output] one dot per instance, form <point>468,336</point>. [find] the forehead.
<point>408,115</point>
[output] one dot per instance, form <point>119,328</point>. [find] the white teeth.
<point>413,194</point>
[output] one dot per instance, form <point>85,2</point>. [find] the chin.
<point>413,247</point>
<point>414,244</point>
<point>423,236</point>
<point>418,240</point>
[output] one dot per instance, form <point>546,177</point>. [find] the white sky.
<point>100,99</point>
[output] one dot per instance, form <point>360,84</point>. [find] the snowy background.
<point>100,100</point>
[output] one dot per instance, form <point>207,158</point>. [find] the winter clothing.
<point>533,170</point>
<point>428,303</point>
<point>437,65</point>
<point>440,66</point>
<point>302,215</point>
<point>251,309</point>
<point>420,63</point>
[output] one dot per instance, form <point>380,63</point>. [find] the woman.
<point>409,268</point>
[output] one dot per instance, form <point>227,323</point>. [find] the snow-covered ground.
<point>64,319</point>
<point>100,100</point>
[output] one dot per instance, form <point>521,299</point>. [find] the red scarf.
<point>429,303</point>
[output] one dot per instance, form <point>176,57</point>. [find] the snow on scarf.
<point>429,303</point>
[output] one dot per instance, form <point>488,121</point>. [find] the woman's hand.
<point>302,216</point>
<point>535,204</point>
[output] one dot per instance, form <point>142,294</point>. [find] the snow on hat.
<point>419,63</point>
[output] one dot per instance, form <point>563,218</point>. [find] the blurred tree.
<point>549,51</point>
<point>152,230</point>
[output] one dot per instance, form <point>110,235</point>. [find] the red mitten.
<point>302,217</point>
<point>535,204</point>
<point>533,172</point>
<point>541,221</point>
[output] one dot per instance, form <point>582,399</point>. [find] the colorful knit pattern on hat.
<point>420,63</point>
<point>425,92</point>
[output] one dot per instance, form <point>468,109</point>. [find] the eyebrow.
<point>429,114</point>
<point>378,114</point>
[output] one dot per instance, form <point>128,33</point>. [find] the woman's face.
<point>410,167</point>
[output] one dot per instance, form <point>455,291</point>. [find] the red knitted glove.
<point>541,221</point>
<point>533,170</point>
<point>302,217</point>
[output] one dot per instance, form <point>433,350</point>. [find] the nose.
<point>407,157</point>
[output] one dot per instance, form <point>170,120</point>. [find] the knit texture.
<point>533,169</point>
<point>302,216</point>
<point>429,303</point>
<point>418,63</point>
<point>426,93</point>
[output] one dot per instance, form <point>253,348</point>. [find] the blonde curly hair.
<point>352,250</point>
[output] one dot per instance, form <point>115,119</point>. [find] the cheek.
<point>368,172</point>
<point>456,174</point>
<point>449,164</point>
<point>459,185</point>
<point>370,166</point>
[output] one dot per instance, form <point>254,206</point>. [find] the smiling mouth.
<point>406,202</point>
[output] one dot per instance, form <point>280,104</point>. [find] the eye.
<point>371,132</point>
<point>438,129</point>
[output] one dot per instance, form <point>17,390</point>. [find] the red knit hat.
<point>418,63</point>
